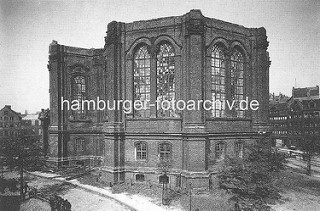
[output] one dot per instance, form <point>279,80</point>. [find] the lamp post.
<point>164,165</point>
<point>164,179</point>
<point>190,197</point>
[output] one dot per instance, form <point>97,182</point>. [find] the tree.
<point>309,140</point>
<point>310,145</point>
<point>251,180</point>
<point>164,166</point>
<point>305,130</point>
<point>23,152</point>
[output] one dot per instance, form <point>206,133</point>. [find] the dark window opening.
<point>140,178</point>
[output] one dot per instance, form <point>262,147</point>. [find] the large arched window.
<point>79,92</point>
<point>141,80</point>
<point>237,81</point>
<point>218,80</point>
<point>165,79</point>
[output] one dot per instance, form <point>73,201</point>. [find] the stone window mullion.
<point>153,81</point>
<point>228,84</point>
<point>237,80</point>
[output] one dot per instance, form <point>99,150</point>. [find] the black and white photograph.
<point>178,105</point>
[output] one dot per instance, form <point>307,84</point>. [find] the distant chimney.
<point>273,96</point>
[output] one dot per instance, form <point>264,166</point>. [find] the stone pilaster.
<point>114,139</point>
<point>261,78</point>
<point>194,59</point>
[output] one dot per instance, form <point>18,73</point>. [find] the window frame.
<point>140,174</point>
<point>237,74</point>
<point>142,151</point>
<point>220,156</point>
<point>167,151</point>
<point>239,152</point>
<point>157,63</point>
<point>219,71</point>
<point>141,75</point>
<point>235,79</point>
<point>165,72</point>
<point>79,147</point>
<point>79,95</point>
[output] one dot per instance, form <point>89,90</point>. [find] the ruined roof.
<point>306,93</point>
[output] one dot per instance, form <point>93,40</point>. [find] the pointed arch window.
<point>165,79</point>
<point>237,79</point>
<point>218,80</point>
<point>141,80</point>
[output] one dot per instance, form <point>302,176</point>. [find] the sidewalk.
<point>133,202</point>
<point>299,164</point>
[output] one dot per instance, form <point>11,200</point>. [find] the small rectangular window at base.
<point>140,178</point>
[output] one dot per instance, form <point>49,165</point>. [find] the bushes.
<point>250,181</point>
<point>11,184</point>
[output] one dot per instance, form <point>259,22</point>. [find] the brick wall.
<point>193,134</point>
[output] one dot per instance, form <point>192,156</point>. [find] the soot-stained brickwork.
<point>188,57</point>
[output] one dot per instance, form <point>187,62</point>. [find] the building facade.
<point>10,123</point>
<point>31,126</point>
<point>278,117</point>
<point>293,117</point>
<point>304,114</point>
<point>14,124</point>
<point>187,58</point>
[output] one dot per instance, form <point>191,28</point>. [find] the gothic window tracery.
<point>218,80</point>
<point>165,78</point>
<point>141,80</point>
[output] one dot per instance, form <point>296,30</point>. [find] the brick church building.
<point>188,57</point>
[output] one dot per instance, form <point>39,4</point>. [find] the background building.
<point>10,123</point>
<point>31,125</point>
<point>14,124</point>
<point>188,57</point>
<point>300,113</point>
<point>304,113</point>
<point>278,116</point>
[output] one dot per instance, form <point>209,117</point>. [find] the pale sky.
<point>28,27</point>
